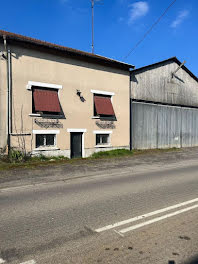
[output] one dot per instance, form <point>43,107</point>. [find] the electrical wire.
<point>149,30</point>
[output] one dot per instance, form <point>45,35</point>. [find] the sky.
<point>119,25</point>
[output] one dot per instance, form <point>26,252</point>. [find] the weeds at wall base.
<point>18,159</point>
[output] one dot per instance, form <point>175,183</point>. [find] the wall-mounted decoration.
<point>105,124</point>
<point>82,99</point>
<point>47,123</point>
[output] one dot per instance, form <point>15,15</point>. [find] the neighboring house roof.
<point>78,54</point>
<point>172,59</point>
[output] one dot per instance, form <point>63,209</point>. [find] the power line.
<point>149,30</point>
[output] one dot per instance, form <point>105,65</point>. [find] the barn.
<point>164,106</point>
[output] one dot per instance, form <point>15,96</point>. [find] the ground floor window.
<point>102,139</point>
<point>45,140</point>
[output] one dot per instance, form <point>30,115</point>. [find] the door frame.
<point>78,130</point>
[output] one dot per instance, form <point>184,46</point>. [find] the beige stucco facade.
<point>30,64</point>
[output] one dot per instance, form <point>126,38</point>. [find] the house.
<point>164,106</point>
<point>61,101</point>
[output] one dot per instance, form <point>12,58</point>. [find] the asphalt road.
<point>58,222</point>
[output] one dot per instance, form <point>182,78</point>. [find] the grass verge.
<point>32,162</point>
<point>112,153</point>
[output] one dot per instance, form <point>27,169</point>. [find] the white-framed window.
<point>103,138</point>
<point>45,139</point>
<point>103,104</point>
<point>45,98</point>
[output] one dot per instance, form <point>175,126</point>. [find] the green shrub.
<point>17,156</point>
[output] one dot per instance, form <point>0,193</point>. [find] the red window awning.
<point>103,106</point>
<point>46,101</point>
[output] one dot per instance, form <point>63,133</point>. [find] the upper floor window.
<point>45,101</point>
<point>103,107</point>
<point>45,98</point>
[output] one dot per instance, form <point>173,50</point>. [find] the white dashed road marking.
<point>130,220</point>
<point>157,219</point>
<point>32,261</point>
<point>29,262</point>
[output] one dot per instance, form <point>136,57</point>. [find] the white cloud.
<point>180,18</point>
<point>137,10</point>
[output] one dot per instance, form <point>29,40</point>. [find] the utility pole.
<point>92,7</point>
<point>93,2</point>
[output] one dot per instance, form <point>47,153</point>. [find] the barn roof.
<point>172,59</point>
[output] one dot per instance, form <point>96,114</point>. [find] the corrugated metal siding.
<point>159,126</point>
<point>144,126</point>
<point>189,127</point>
<point>169,126</point>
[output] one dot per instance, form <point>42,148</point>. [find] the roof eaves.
<point>175,59</point>
<point>36,42</point>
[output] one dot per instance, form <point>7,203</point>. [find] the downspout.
<point>130,110</point>
<point>9,99</point>
<point>8,59</point>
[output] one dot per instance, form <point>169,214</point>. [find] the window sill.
<point>46,115</point>
<point>46,149</point>
<point>103,146</point>
<point>34,114</point>
<point>103,118</point>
